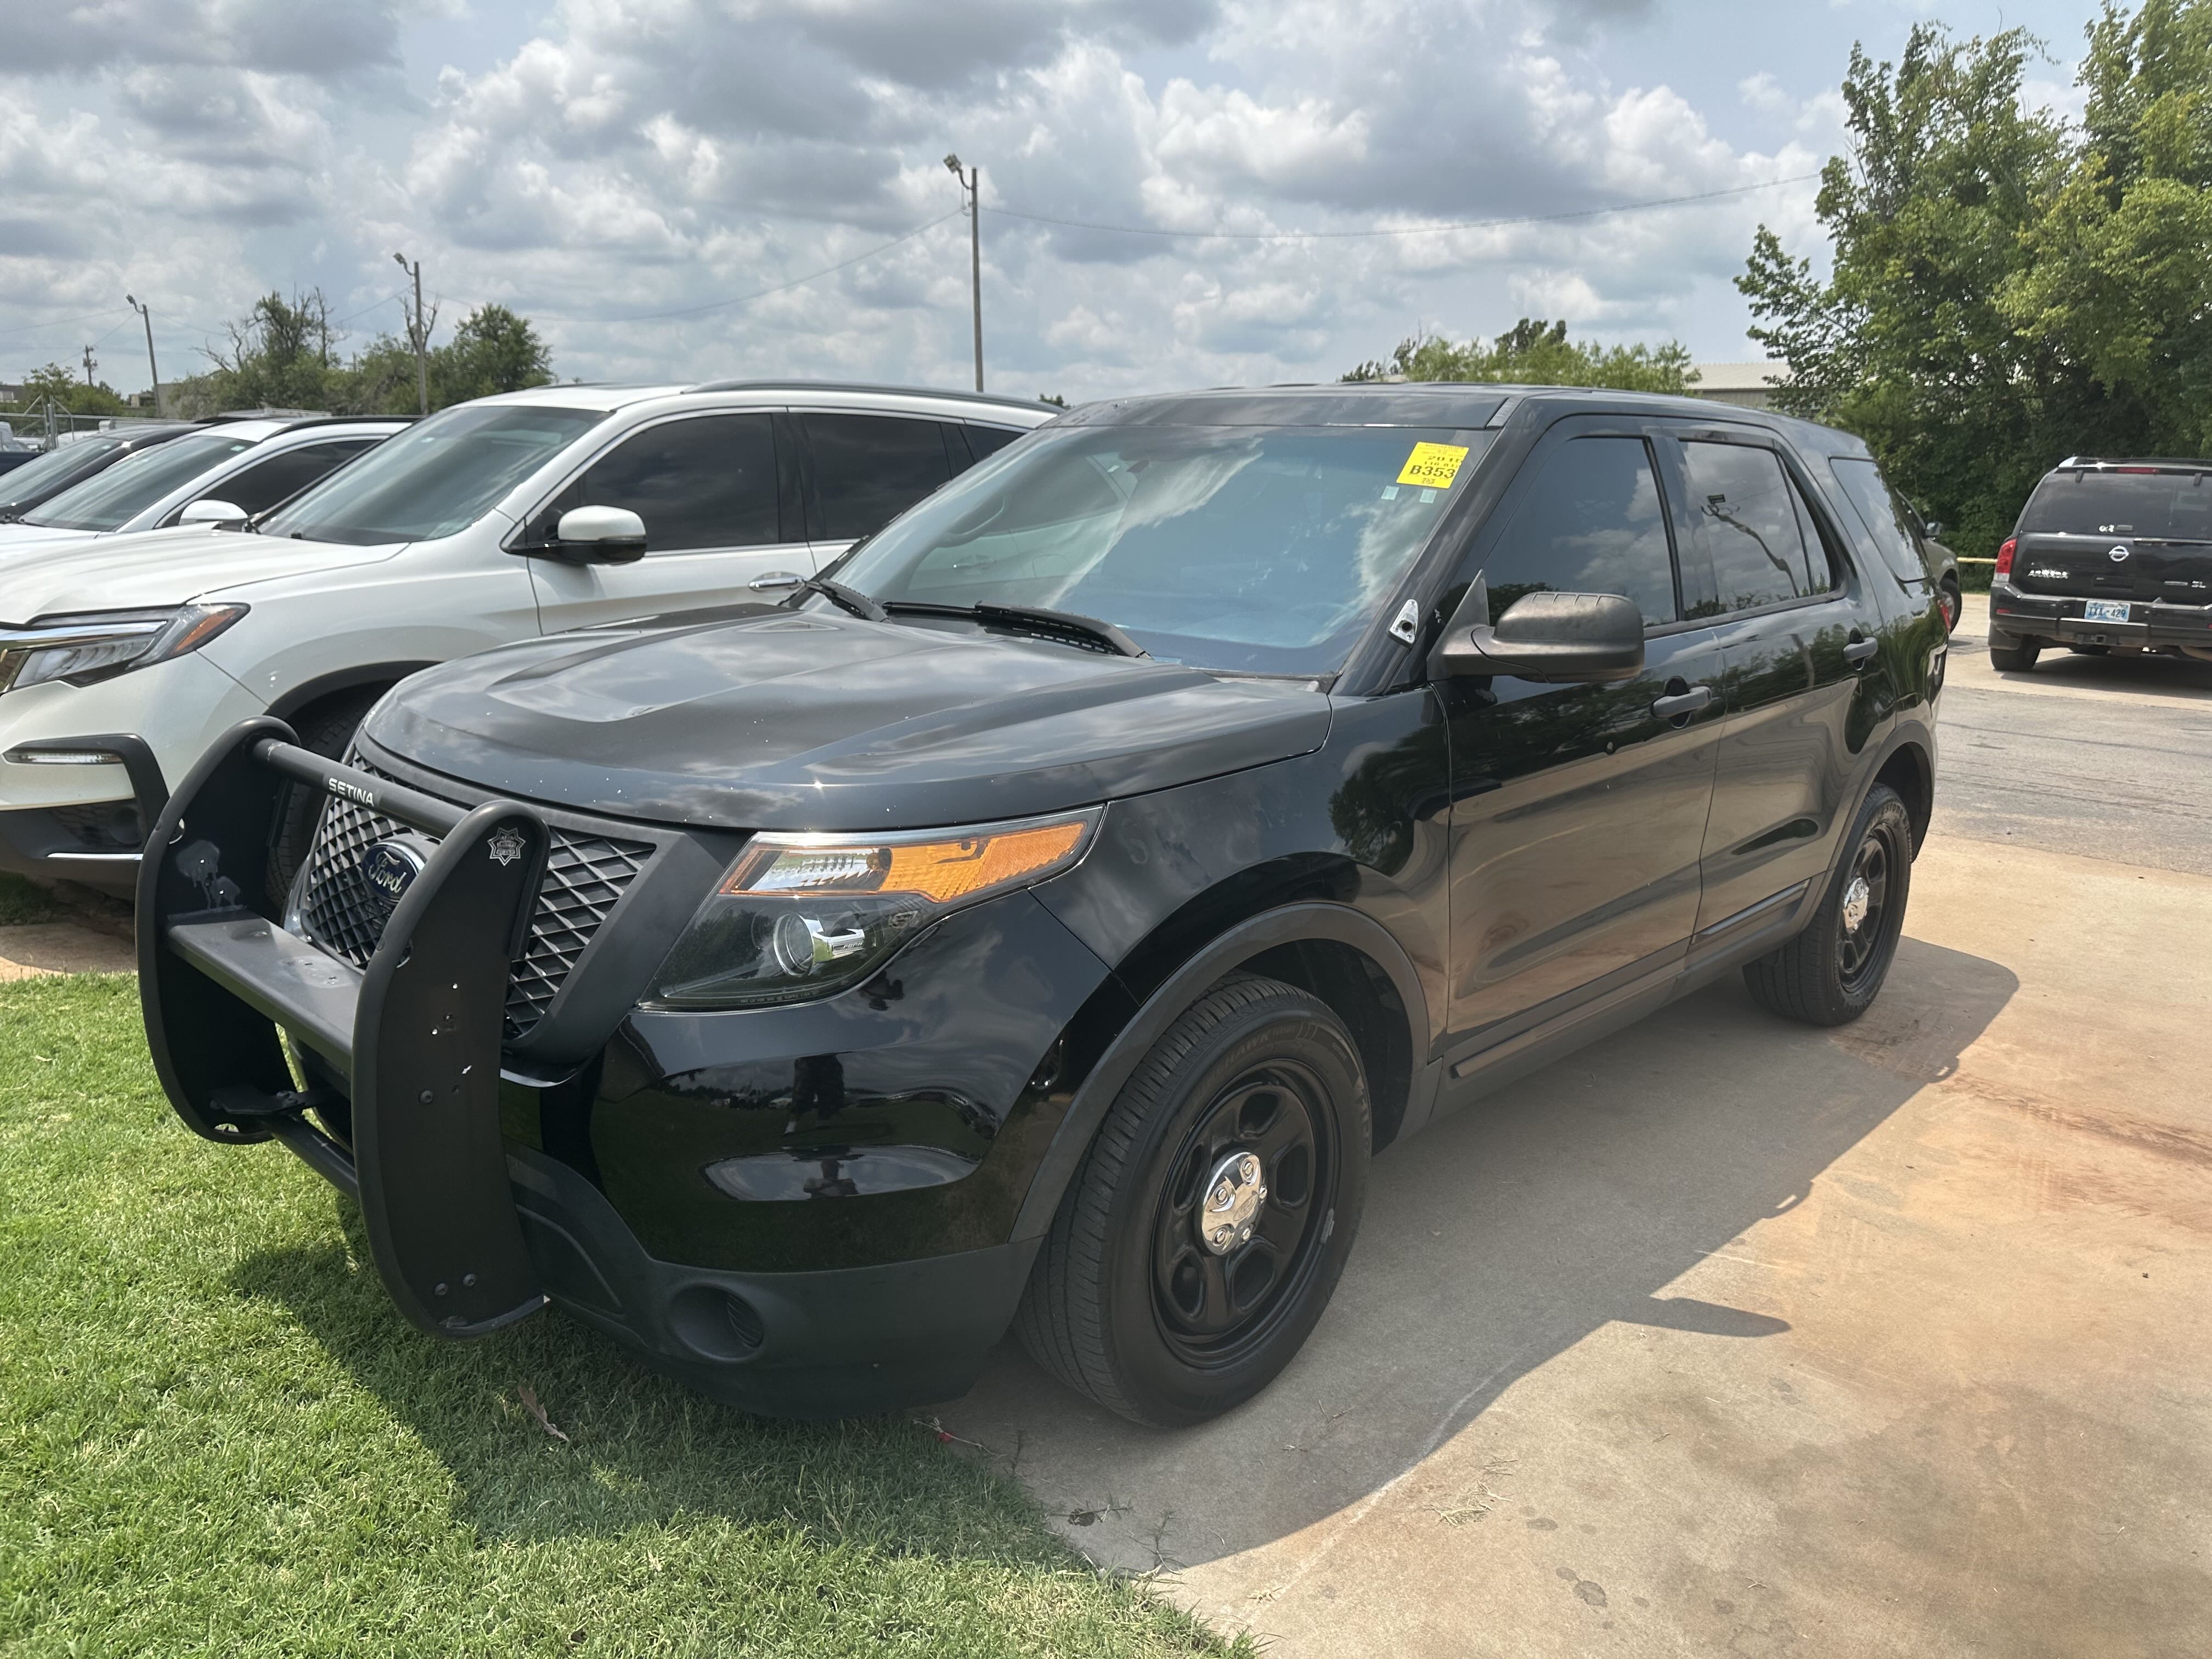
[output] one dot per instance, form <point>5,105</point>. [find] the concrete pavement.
<point>1732,1336</point>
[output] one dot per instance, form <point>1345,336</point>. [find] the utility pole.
<point>90,363</point>
<point>418,332</point>
<point>969,179</point>
<point>152,368</point>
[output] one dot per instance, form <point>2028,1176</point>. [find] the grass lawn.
<point>23,901</point>
<point>217,1437</point>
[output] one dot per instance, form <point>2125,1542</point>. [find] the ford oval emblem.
<point>387,871</point>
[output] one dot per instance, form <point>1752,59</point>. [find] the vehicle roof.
<point>824,393</point>
<point>1432,403</point>
<point>2164,463</point>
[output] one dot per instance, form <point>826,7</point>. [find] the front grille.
<point>585,875</point>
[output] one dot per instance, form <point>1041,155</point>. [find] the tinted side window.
<point>1886,518</point>
<point>707,482</point>
<point>261,486</point>
<point>1764,547</point>
<point>1593,523</point>
<point>868,469</point>
<point>987,440</point>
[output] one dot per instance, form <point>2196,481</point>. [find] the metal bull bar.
<point>417,1032</point>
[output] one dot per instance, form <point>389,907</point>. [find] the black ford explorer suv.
<point>2107,556</point>
<point>1043,918</point>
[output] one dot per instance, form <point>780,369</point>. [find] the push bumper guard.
<point>417,1031</point>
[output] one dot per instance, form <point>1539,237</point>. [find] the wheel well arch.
<point>1342,974</point>
<point>1314,941</point>
<point>1908,770</point>
<point>324,687</point>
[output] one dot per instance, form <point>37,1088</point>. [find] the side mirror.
<point>598,535</point>
<point>1560,638</point>
<point>1933,529</point>
<point>209,510</point>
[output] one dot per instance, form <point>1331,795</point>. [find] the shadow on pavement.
<point>1493,1241</point>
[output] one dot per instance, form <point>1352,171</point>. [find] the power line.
<point>1399,230</point>
<point>780,287</point>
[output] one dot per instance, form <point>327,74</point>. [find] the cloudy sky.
<point>632,174</point>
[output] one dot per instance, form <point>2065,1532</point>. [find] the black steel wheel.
<point>1237,1228</point>
<point>1831,972</point>
<point>1864,914</point>
<point>1203,1235</point>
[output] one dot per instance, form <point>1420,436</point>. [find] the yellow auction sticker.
<point>1434,465</point>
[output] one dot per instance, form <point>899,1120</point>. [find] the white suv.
<point>122,657</point>
<point>224,473</point>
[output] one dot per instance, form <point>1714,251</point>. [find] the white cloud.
<point>619,157</point>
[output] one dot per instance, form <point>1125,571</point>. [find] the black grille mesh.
<point>585,874</point>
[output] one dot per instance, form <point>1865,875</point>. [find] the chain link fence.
<point>42,425</point>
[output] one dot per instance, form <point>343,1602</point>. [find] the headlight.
<point>100,645</point>
<point>801,916</point>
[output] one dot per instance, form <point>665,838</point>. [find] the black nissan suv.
<point>2108,554</point>
<point>1041,920</point>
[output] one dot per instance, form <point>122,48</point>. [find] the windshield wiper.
<point>1064,625</point>
<point>845,598</point>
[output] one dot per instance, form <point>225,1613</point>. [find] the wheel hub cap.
<point>1233,1197</point>
<point>1859,899</point>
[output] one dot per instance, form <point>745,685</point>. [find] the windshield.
<point>435,479</point>
<point>2156,506</point>
<point>53,471</point>
<point>106,500</point>
<point>1252,550</point>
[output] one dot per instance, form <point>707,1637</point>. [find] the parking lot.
<point>1728,1336</point>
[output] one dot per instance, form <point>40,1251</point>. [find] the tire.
<point>1831,973</point>
<point>2016,657</point>
<point>1127,1302</point>
<point>1947,591</point>
<point>326,729</point>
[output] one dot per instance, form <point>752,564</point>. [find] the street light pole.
<point>969,179</point>
<point>153,369</point>
<point>419,335</point>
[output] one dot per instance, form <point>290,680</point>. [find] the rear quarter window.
<point>1888,521</point>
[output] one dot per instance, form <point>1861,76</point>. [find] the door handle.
<point>1683,704</point>
<point>769,579</point>
<point>1859,650</point>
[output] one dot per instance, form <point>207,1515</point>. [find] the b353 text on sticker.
<point>1434,465</point>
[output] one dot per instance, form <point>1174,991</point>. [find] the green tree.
<point>285,354</point>
<point>279,357</point>
<point>2118,278</point>
<point>57,383</point>
<point>493,350</point>
<point>2007,290</point>
<point>1535,352</point>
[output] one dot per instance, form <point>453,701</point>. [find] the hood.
<point>15,534</point>
<point>817,721</point>
<point>153,568</point>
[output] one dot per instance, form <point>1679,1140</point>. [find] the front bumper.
<point>86,822</point>
<point>469,1231</point>
<point>2153,624</point>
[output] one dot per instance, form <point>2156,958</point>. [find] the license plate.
<point>2104,610</point>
